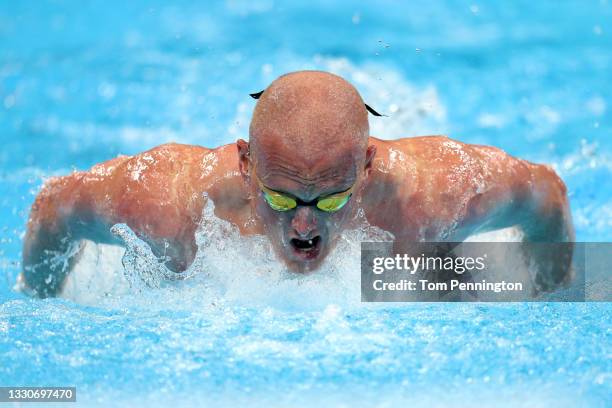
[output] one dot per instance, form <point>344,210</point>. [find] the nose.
<point>304,221</point>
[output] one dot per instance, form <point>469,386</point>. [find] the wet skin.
<point>308,139</point>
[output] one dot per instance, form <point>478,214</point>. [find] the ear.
<point>370,154</point>
<point>244,158</point>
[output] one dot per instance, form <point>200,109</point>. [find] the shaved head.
<point>311,114</point>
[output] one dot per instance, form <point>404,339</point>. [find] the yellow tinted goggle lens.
<point>279,202</point>
<point>333,203</point>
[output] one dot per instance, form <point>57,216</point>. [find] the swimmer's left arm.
<point>546,217</point>
<point>520,193</point>
<point>532,197</point>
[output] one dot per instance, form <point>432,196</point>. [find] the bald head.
<point>310,113</point>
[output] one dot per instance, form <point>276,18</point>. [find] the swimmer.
<point>310,164</point>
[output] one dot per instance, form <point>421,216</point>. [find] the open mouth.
<point>306,248</point>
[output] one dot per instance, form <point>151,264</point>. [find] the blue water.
<point>81,83</point>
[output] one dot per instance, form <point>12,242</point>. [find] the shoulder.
<point>167,158</point>
<point>443,156</point>
<point>201,161</point>
<point>170,162</point>
<point>429,181</point>
<point>433,148</point>
<point>161,180</point>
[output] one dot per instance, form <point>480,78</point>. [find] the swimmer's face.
<point>303,236</point>
<point>308,141</point>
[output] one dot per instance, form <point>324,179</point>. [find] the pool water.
<point>80,84</point>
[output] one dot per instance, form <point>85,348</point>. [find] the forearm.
<point>548,231</point>
<point>51,244</point>
<point>546,215</point>
<point>48,256</point>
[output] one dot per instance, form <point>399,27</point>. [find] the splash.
<point>142,268</point>
<point>228,268</point>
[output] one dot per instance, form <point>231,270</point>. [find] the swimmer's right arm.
<point>85,205</point>
<point>54,230</point>
<point>158,194</point>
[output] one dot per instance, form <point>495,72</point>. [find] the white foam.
<point>98,273</point>
<point>228,268</point>
<point>504,263</point>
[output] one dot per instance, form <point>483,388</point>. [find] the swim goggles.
<point>282,202</point>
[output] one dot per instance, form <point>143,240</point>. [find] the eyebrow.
<point>340,180</point>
